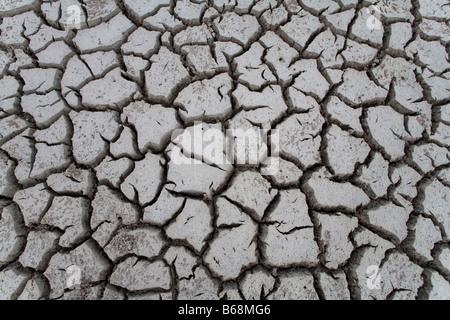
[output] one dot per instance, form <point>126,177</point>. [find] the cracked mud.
<point>90,192</point>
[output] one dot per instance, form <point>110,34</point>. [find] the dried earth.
<point>359,208</point>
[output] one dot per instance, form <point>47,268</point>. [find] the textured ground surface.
<point>358,210</point>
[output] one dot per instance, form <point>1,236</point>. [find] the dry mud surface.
<point>93,204</point>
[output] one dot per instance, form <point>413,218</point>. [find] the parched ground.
<point>357,96</point>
